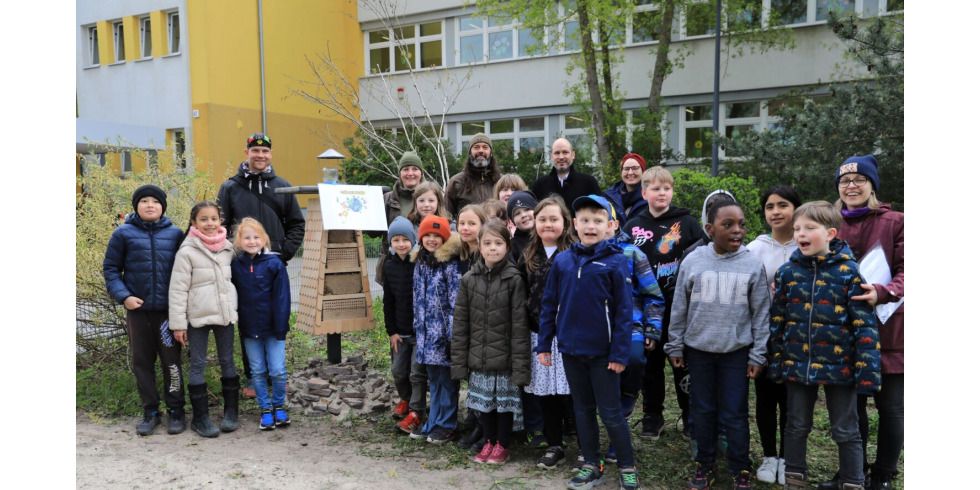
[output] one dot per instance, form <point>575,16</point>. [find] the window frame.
<point>93,58</point>
<point>652,8</point>
<point>762,122</point>
<point>171,16</point>
<point>146,37</point>
<point>394,45</point>
<point>118,42</point>
<point>515,135</point>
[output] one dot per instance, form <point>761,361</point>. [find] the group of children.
<point>595,306</point>
<point>178,288</point>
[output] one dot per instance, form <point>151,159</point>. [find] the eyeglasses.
<point>857,181</point>
<point>632,169</point>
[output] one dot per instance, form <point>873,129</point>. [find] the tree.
<point>817,132</point>
<point>692,185</point>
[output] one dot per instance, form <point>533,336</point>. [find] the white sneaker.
<point>767,470</point>
<point>782,472</point>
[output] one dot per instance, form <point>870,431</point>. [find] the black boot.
<point>151,419</point>
<point>229,388</point>
<point>176,422</point>
<point>832,484</point>
<point>878,482</point>
<point>199,404</point>
<point>472,437</point>
<point>468,423</point>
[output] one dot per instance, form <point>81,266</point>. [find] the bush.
<point>692,186</point>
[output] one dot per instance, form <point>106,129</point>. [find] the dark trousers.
<point>770,413</point>
<point>720,402</point>
<point>654,389</point>
<point>533,418</point>
<point>890,402</point>
<point>147,341</point>
<point>553,416</point>
<point>197,346</point>
<point>497,427</point>
<point>594,386</point>
<point>246,368</point>
<point>842,406</point>
<point>409,375</point>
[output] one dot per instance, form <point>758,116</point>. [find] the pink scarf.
<point>215,242</point>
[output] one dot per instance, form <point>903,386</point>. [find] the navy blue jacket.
<point>138,261</point>
<point>397,287</point>
<point>626,203</point>
<point>263,295</point>
<point>586,291</point>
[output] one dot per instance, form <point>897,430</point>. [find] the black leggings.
<point>890,402</point>
<point>497,427</point>
<point>553,413</point>
<point>770,396</point>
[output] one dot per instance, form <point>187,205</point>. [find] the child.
<point>585,291</point>
<point>203,297</point>
<point>408,374</point>
<point>520,210</point>
<point>468,223</point>
<point>495,209</point>
<point>435,284</point>
<point>821,335</point>
<point>778,204</point>
<point>507,185</point>
<point>548,388</point>
<point>662,231</point>
<point>262,284</point>
<point>718,329</point>
<point>490,341</point>
<point>136,268</point>
<point>427,199</point>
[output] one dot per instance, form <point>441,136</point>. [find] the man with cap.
<point>250,193</point>
<point>563,179</point>
<point>474,184</point>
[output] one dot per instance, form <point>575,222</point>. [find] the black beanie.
<point>151,191</point>
<point>520,200</point>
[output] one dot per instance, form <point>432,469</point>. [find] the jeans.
<point>197,340</point>
<point>770,413</point>
<point>409,375</point>
<point>654,390</point>
<point>842,405</point>
<point>146,342</point>
<point>443,399</point>
<point>720,402</point>
<point>593,386</point>
<point>890,402</point>
<point>267,357</point>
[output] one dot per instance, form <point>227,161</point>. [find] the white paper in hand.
<point>874,269</point>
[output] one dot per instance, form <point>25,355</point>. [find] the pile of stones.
<point>340,390</point>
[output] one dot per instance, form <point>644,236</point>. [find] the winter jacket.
<point>586,291</point>
<point>518,243</point>
<point>394,200</point>
<point>818,335</point>
<point>626,203</point>
<point>239,197</point>
<point>577,184</point>
<point>772,253</point>
<point>663,239</point>
<point>648,302</point>
<point>138,260</point>
<point>721,305</point>
<point>435,285</point>
<point>490,324</point>
<point>886,227</point>
<point>262,284</point>
<point>397,288</point>
<point>535,281</point>
<point>482,181</point>
<point>201,292</point>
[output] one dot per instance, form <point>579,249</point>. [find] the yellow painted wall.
<point>105,42</point>
<point>131,36</point>
<point>225,81</point>
<point>158,33</point>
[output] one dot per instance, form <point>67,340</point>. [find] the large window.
<point>575,129</point>
<point>146,38</point>
<point>93,45</point>
<point>525,134</point>
<point>403,48</point>
<point>840,6</point>
<point>491,39</point>
<point>736,119</point>
<point>173,32</point>
<point>119,42</point>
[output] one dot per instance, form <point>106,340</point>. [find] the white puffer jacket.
<point>201,292</point>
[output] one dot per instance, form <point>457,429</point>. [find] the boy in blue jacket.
<point>585,291</point>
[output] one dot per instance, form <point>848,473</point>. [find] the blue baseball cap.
<point>594,201</point>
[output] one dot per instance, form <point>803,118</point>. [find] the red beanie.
<point>434,224</point>
<point>637,157</point>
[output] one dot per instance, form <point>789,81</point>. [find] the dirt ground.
<point>310,454</point>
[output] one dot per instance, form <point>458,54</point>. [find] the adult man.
<point>250,193</point>
<point>474,184</point>
<point>563,179</point>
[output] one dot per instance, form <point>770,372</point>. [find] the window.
<point>699,19</point>
<point>645,24</point>
<point>484,39</point>
<point>894,5</point>
<point>93,45</point>
<point>840,6</point>
<point>146,38</point>
<point>180,148</point>
<point>405,48</point>
<point>126,162</point>
<point>787,12</point>
<point>736,119</point>
<point>119,42</point>
<point>512,134</point>
<point>575,129</point>
<point>173,32</point>
<point>572,39</point>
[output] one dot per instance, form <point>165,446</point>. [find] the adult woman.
<point>398,201</point>
<point>625,195</point>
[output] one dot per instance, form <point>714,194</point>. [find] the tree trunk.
<point>592,81</point>
<point>661,68</point>
<point>616,147</point>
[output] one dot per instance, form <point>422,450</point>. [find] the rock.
<point>309,397</point>
<point>320,406</point>
<point>377,406</point>
<point>353,394</point>
<point>348,377</point>
<point>377,383</point>
<point>355,360</point>
<point>335,411</point>
<point>354,402</point>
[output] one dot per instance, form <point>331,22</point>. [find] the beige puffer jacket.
<point>201,292</point>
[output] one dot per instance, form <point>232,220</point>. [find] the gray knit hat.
<point>402,226</point>
<point>480,138</point>
<point>409,158</point>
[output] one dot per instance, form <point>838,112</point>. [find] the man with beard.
<point>563,179</point>
<point>475,183</point>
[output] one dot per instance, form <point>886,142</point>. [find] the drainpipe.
<point>262,68</point>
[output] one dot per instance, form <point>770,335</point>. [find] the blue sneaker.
<point>282,417</point>
<point>267,421</point>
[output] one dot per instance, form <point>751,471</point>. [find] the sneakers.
<point>653,427</point>
<point>579,461</point>
<point>417,433</point>
<point>552,456</point>
<point>702,479</point>
<point>781,472</point>
<point>743,481</point>
<point>611,456</point>
<point>400,410</point>
<point>628,479</point>
<point>176,422</point>
<point>795,481</point>
<point>484,453</point>
<point>267,421</point>
<point>768,470</point>
<point>536,440</point>
<point>499,455</point>
<point>282,417</point>
<point>410,423</point>
<point>441,435</point>
<point>151,419</point>
<point>831,484</point>
<point>587,477</point>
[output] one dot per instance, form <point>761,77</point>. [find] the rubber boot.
<point>199,404</point>
<point>229,388</point>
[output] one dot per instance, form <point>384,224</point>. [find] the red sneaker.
<point>499,455</point>
<point>410,422</point>
<point>400,410</point>
<point>484,453</point>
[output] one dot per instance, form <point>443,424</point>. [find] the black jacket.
<point>397,286</point>
<point>244,195</point>
<point>518,243</point>
<point>577,184</point>
<point>663,240</point>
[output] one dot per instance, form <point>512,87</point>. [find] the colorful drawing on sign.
<point>351,204</point>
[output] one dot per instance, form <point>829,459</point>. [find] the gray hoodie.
<point>721,304</point>
<point>772,253</point>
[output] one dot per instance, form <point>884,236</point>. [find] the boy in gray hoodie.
<point>718,329</point>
